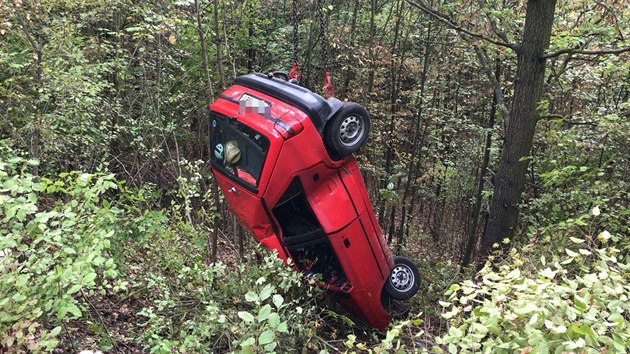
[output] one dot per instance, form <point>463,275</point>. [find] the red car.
<point>282,156</point>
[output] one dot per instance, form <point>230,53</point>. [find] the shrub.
<point>577,301</point>
<point>54,251</point>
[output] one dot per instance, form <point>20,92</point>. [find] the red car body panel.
<point>335,192</point>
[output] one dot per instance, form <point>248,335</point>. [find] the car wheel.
<point>347,131</point>
<point>404,279</point>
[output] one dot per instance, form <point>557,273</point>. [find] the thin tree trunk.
<point>472,232</point>
<point>346,81</point>
<point>371,55</point>
<point>416,141</point>
<point>219,43</point>
<point>211,244</point>
<point>309,49</point>
<point>393,97</point>
<point>528,86</point>
<point>204,54</point>
<point>37,45</point>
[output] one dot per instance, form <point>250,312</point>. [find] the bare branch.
<point>450,23</point>
<point>586,52</point>
<point>493,25</point>
<point>614,16</point>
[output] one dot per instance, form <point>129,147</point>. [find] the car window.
<point>238,150</point>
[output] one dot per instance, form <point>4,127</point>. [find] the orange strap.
<point>328,87</point>
<point>295,71</point>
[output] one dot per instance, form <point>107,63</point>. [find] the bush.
<point>253,308</point>
<point>54,251</point>
<point>78,240</point>
<point>578,302</point>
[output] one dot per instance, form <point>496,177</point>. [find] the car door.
<point>238,163</point>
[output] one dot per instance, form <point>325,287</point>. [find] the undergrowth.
<point>85,265</point>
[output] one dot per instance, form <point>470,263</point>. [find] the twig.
<point>327,344</point>
<point>449,22</point>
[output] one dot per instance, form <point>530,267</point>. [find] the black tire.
<point>347,131</point>
<point>404,279</point>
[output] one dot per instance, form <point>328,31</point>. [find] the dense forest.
<point>497,161</point>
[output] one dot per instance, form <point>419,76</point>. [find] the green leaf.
<point>264,312</point>
<point>277,300</point>
<point>274,320</point>
<point>73,309</point>
<point>579,222</point>
<point>246,316</point>
<point>17,297</point>
<point>251,296</point>
<point>89,279</point>
<point>455,332</point>
<point>247,345</point>
<point>265,337</point>
<point>282,327</point>
<point>55,331</point>
<point>74,289</point>
<point>525,309</point>
<point>266,292</point>
<point>548,273</point>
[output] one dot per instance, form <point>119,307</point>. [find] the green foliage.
<point>573,299</point>
<point>55,251</point>
<point>68,244</point>
<point>248,309</point>
<point>118,86</point>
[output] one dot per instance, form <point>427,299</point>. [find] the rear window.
<point>237,150</point>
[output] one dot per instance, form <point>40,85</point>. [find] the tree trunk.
<point>417,141</point>
<point>346,81</point>
<point>219,44</point>
<point>472,233</point>
<point>309,49</point>
<point>528,87</point>
<point>371,54</point>
<point>204,54</point>
<point>394,72</point>
<point>211,244</point>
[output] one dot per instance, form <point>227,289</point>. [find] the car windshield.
<point>238,150</point>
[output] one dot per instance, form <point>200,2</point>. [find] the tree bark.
<point>371,54</point>
<point>472,233</point>
<point>348,74</point>
<point>528,87</point>
<point>211,244</point>
<point>204,54</point>
<point>219,44</point>
<point>394,72</point>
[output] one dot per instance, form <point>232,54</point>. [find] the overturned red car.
<point>282,156</point>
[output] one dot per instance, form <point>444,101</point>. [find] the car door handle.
<point>232,190</point>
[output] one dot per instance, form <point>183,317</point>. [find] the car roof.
<point>318,109</point>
